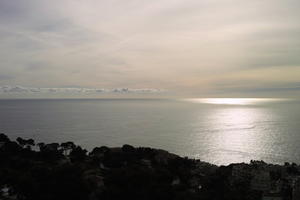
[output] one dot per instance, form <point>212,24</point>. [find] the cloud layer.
<point>190,47</point>
<point>27,90</point>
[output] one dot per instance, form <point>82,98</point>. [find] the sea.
<point>216,130</point>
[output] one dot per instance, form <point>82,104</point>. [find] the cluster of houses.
<point>274,182</point>
<point>105,170</point>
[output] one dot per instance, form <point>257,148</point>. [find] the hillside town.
<point>67,171</point>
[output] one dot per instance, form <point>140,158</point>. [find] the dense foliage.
<point>66,171</point>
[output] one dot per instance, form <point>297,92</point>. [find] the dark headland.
<point>30,171</point>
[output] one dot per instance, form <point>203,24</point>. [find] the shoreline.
<point>66,171</point>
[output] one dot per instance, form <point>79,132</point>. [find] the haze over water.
<point>220,131</point>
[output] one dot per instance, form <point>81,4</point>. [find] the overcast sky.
<point>187,47</point>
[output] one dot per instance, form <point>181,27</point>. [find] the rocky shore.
<point>30,171</point>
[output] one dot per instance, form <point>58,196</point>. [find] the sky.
<point>192,48</point>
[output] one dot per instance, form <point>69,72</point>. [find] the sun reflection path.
<point>232,134</point>
<point>233,101</point>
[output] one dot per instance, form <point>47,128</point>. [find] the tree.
<point>25,143</point>
<point>52,146</point>
<point>128,148</point>
<point>41,145</point>
<point>78,154</point>
<point>30,142</point>
<point>21,141</point>
<point>11,147</point>
<point>67,147</point>
<point>99,151</point>
<point>4,138</point>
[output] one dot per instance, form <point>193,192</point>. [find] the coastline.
<point>66,171</point>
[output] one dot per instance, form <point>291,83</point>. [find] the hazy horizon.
<point>164,48</point>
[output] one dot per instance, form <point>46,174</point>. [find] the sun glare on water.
<point>234,132</point>
<point>232,101</point>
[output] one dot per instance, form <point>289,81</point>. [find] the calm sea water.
<point>220,131</point>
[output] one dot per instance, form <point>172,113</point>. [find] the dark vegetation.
<point>66,171</point>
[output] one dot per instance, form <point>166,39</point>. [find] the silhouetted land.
<point>66,171</point>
